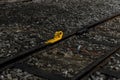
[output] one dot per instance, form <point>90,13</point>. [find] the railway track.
<point>88,53</point>
<point>88,50</point>
<point>110,69</point>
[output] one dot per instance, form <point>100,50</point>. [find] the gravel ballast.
<point>26,25</point>
<point>113,65</point>
<point>75,53</point>
<point>18,74</point>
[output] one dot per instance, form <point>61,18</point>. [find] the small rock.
<point>79,47</point>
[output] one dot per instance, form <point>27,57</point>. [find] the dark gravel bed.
<point>107,37</point>
<point>68,57</point>
<point>91,7</point>
<point>85,11</point>
<point>106,33</point>
<point>72,55</point>
<point>113,64</point>
<point>99,76</point>
<point>11,1</point>
<point>18,74</point>
<point>25,25</point>
<point>17,39</point>
<point>18,35</point>
<point>63,59</point>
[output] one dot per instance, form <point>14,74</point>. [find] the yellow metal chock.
<point>57,36</point>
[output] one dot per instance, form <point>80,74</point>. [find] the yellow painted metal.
<point>57,36</point>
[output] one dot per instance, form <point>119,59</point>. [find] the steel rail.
<point>111,73</point>
<point>39,72</point>
<point>22,55</point>
<point>94,65</point>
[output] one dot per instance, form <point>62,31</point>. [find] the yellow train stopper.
<point>57,36</point>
